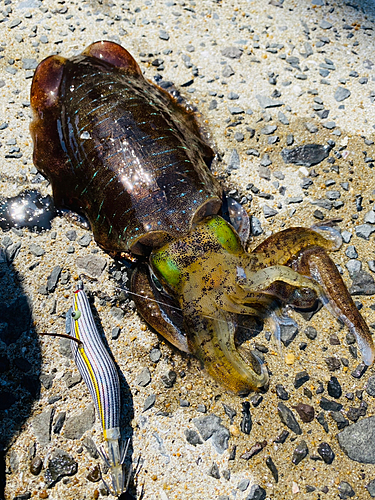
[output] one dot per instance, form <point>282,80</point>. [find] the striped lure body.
<point>100,374</point>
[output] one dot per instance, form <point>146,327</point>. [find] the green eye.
<point>76,315</point>
<point>166,267</point>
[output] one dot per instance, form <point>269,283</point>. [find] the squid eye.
<point>76,315</point>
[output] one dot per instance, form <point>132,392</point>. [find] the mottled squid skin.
<point>129,157</point>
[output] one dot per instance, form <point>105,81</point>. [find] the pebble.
<point>36,250</point>
<point>256,493</point>
<point>254,450</point>
<point>94,474</point>
<point>288,333</point>
<point>281,392</point>
<point>163,35</point>
<point>234,161</point>
<point>192,437</point>
<point>42,427</point>
<point>144,377</point>
<point>306,412</point>
<point>322,421</point>
<point>334,388</point>
<point>282,437</point>
<point>325,451</point>
<point>329,405</point>
<point>59,422</point>
<point>227,71</point>
<point>255,226</point>
<point>300,452</point>
<point>71,235</point>
<point>341,94</point>
<point>332,363</point>
<point>78,424</point>
<point>354,440</point>
<point>232,52</point>
<point>311,333</point>
<point>287,417</point>
<point>340,420</point>
<point>307,155</point>
<point>53,278</point>
<point>90,447</point>
<point>93,265</point>
<point>243,484</point>
<point>370,386</point>
<point>85,240</point>
<point>301,378</point>
<point>213,471</point>
<point>210,426</point>
<point>266,102</point>
<point>345,490</point>
<point>61,464</point>
<point>231,412</point>
<point>117,313</point>
<point>169,379</point>
<point>371,488</point>
<point>71,379</point>
<point>155,355</point>
<point>359,371</point>
<point>362,284</point>
<point>268,129</point>
<point>272,467</point>
<point>246,422</point>
<point>36,466</point>
<point>149,402</point>
<point>115,333</point>
<point>364,231</point>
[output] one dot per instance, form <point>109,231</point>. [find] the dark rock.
<point>307,155</point>
<point>306,412</point>
<point>322,421</point>
<point>359,371</point>
<point>230,412</point>
<point>345,490</point>
<point>329,405</point>
<point>94,474</point>
<point>246,423</point>
<point>47,380</point>
<point>282,437</point>
<point>256,399</point>
<point>272,467</point>
<point>287,418</point>
<point>210,426</point>
<point>325,451</point>
<point>362,284</point>
<point>281,392</point>
<point>213,471</point>
<point>288,333</point>
<point>356,440</point>
<point>370,386</point>
<point>60,465</point>
<point>36,466</point>
<point>334,388</point>
<point>59,422</point>
<point>300,452</point>
<point>254,450</point>
<point>149,402</point>
<point>333,363</point>
<point>301,378</point>
<point>340,420</point>
<point>184,403</point>
<point>311,333</point>
<point>192,437</point>
<point>256,493</point>
<point>169,379</point>
<point>371,488</point>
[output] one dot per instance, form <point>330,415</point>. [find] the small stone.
<point>333,363</point>
<point>267,102</point>
<point>90,446</point>
<point>255,226</point>
<point>269,211</point>
<point>322,421</point>
<point>272,467</point>
<point>169,379</point>
<point>232,52</point>
<point>282,118</point>
<point>287,418</point>
<point>341,94</point>
<point>115,333</point>
<point>254,450</point>
<point>192,437</point>
<point>256,493</point>
<point>117,313</point>
<point>163,35</point>
<point>59,422</point>
<point>329,405</point>
<point>306,412</point>
<point>36,250</point>
<point>144,377</point>
<point>301,378</point>
<point>53,278</point>
<point>300,452</point>
<point>325,451</point>
<point>234,161</point>
<point>340,420</point>
<point>371,488</point>
<point>231,412</point>
<point>72,379</point>
<point>288,333</point>
<point>94,474</point>
<point>243,484</point>
<point>246,422</point>
<point>362,284</point>
<point>334,388</point>
<point>155,355</point>
<point>364,231</point>
<point>281,392</point>
<point>210,426</point>
<point>345,490</point>
<point>307,155</point>
<point>282,437</point>
<point>268,129</point>
<point>149,402</point>
<point>370,386</point>
<point>93,265</point>
<point>78,424</point>
<point>325,25</point>
<point>213,471</point>
<point>36,466</point>
<point>184,403</point>
<point>60,465</point>
<point>85,240</point>
<point>354,440</point>
<point>71,235</point>
<point>227,71</point>
<point>42,427</point>
<point>311,333</point>
<point>359,370</point>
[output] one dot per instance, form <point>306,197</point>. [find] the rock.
<point>281,392</point>
<point>53,278</point>
<point>345,490</point>
<point>36,466</point>
<point>60,465</point>
<point>268,129</point>
<point>92,265</point>
<point>117,313</point>
<point>144,377</point>
<point>301,378</point>
<point>234,161</point>
<point>306,412</point>
<point>72,379</point>
<point>322,421</point>
<point>85,240</point>
<point>36,250</point>
<point>246,423</point>
<point>94,474</point>
<point>213,471</point>
<point>42,426</point>
<point>328,405</point>
<point>231,412</point>
<point>333,363</point>
<point>78,424</point>
<point>269,211</point>
<point>357,440</point>
<point>288,333</point>
<point>325,451</point>
<point>340,420</point>
<point>364,231</point>
<point>254,450</point>
<point>359,371</point>
<point>371,488</point>
<point>59,422</point>
<point>169,379</point>
<point>90,446</point>
<point>71,235</point>
<point>243,484</point>
<point>267,102</point>
<point>227,71</point>
<point>256,493</point>
<point>362,284</point>
<point>149,402</point>
<point>370,386</point>
<point>307,155</point>
<point>300,452</point>
<point>341,94</point>
<point>287,417</point>
<point>272,467</point>
<point>192,437</point>
<point>232,52</point>
<point>334,388</point>
<point>311,333</point>
<point>211,427</point>
<point>163,35</point>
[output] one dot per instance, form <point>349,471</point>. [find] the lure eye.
<point>76,315</point>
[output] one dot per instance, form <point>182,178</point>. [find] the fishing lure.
<point>100,374</point>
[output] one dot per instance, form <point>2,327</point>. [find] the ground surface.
<point>304,55</point>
